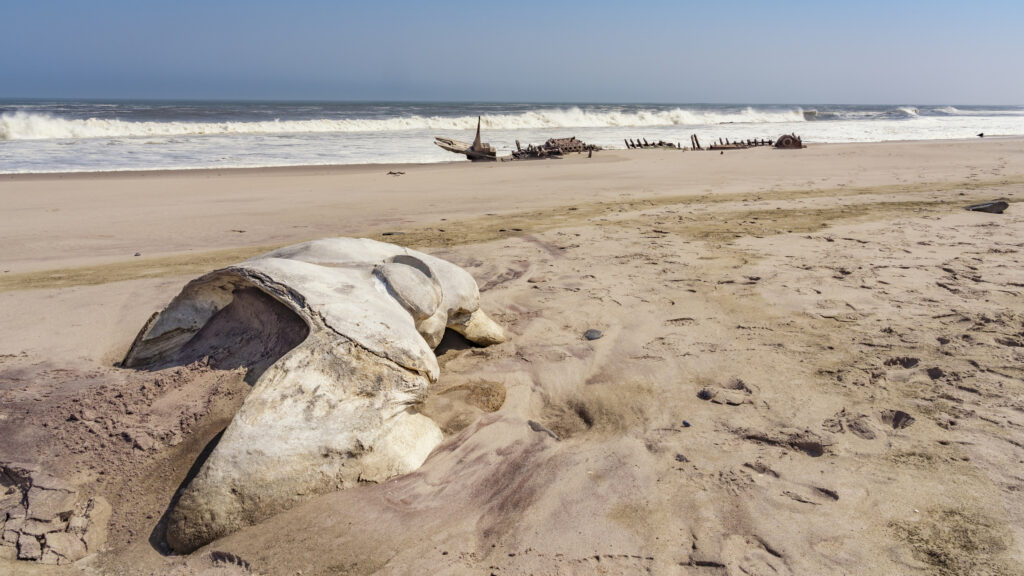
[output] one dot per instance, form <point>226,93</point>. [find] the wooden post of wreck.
<point>476,141</point>
<point>518,147</point>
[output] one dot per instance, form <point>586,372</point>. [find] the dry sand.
<point>815,298</point>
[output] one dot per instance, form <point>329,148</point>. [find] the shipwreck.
<point>480,151</point>
<point>477,151</point>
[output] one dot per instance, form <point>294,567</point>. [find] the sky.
<point>714,51</point>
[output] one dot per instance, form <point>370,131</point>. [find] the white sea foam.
<point>34,126</point>
<point>81,136</point>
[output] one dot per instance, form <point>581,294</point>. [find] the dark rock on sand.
<point>996,207</point>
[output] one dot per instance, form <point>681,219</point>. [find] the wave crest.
<point>32,126</point>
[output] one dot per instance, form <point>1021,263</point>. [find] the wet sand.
<point>793,307</point>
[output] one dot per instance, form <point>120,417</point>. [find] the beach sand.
<point>769,320</point>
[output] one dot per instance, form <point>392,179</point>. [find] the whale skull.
<point>346,329</point>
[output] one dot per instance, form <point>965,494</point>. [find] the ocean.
<point>92,136</point>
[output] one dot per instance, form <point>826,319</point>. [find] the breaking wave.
<point>33,126</point>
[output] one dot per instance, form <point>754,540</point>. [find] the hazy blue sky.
<point>936,52</point>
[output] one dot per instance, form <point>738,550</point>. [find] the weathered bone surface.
<point>335,408</point>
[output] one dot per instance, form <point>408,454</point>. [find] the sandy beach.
<point>811,362</point>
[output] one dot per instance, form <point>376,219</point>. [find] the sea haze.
<point>72,136</point>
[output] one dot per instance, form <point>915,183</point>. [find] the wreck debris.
<point>786,141</point>
<point>994,207</point>
<point>789,142</point>
<point>553,148</point>
<point>645,144</point>
<point>481,151</point>
<point>557,147</point>
<point>725,144</point>
<point>477,151</point>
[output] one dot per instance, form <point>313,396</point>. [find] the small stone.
<point>144,442</point>
<point>138,253</point>
<point>28,548</point>
<point>936,373</point>
<point>686,423</point>
<point>681,458</point>
<point>705,394</point>
<point>593,334</point>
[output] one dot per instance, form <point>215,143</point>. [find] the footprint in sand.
<point>732,393</point>
<point>806,441</point>
<point>898,419</point>
<point>799,492</point>
<point>858,424</point>
<point>752,555</point>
